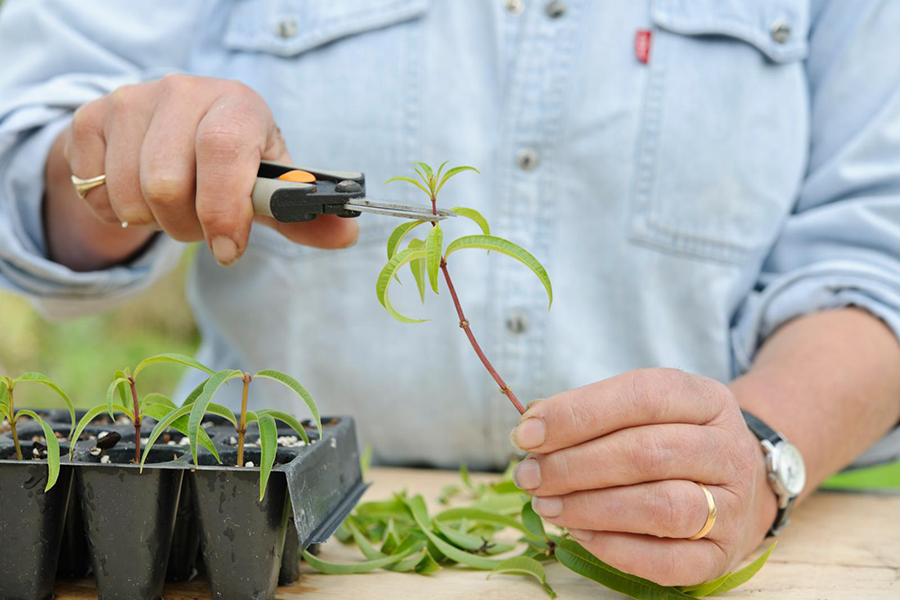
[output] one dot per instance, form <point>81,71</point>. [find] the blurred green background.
<point>82,354</point>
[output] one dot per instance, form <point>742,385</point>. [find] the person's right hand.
<point>181,154</point>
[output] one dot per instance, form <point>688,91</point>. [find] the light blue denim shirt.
<point>748,172</point>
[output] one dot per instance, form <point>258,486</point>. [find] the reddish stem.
<point>137,422</point>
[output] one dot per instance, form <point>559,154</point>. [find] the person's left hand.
<point>616,463</point>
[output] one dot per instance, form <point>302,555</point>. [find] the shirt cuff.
<point>823,286</point>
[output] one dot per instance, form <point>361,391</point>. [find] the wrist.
<point>74,237</point>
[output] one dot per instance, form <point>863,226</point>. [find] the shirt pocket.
<point>339,76</point>
<point>724,133</point>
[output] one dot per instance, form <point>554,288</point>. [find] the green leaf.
<point>301,391</point>
<point>384,281</point>
<point>365,460</point>
<point>437,177</point>
<point>195,393</point>
<point>368,550</point>
<point>164,421</point>
<point>532,521</point>
<point>123,388</point>
<point>287,419</point>
<point>92,414</point>
<point>198,408</point>
<point>416,506</point>
<point>409,180</point>
<point>332,568</point>
<point>729,581</point>
<point>4,412</point>
<point>475,216</point>
<point>521,565</point>
<point>429,174</point>
<point>482,516</point>
<point>268,444</point>
<point>4,392</point>
<point>153,399</point>
<point>490,242</point>
<point>459,539</point>
<point>434,246</point>
<point>398,234</point>
<point>391,539</point>
<point>160,412</point>
<point>427,565</point>
<point>417,267</point>
<point>172,358</point>
<point>451,173</point>
<point>52,447</point>
<point>110,393</point>
<point>46,381</point>
<point>577,559</point>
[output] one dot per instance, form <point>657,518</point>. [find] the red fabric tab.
<point>642,45</point>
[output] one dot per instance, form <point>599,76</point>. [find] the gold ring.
<point>710,515</point>
<point>83,186</point>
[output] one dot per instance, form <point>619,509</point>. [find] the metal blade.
<point>404,211</point>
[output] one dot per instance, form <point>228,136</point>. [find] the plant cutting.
<point>400,535</point>
<point>11,415</point>
<point>197,405</point>
<point>152,405</point>
<point>427,258</point>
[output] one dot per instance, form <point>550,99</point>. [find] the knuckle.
<point>649,392</point>
<point>121,98</point>
<point>163,189</point>
<point>670,511</point>
<point>224,139</point>
<point>668,568</point>
<point>84,123</point>
<point>177,82</point>
<point>647,456</point>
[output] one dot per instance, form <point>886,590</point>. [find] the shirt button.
<point>781,31</point>
<point>527,159</point>
<point>287,28</point>
<point>514,7</point>
<point>517,322</point>
<point>555,9</point>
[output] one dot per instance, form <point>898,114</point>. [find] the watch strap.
<point>760,429</point>
<point>782,518</point>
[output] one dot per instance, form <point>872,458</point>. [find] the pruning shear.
<point>293,194</point>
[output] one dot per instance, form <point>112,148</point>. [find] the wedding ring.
<point>710,515</point>
<point>83,186</point>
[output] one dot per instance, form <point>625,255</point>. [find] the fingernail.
<point>527,474</point>
<point>532,403</point>
<point>547,507</point>
<point>582,535</point>
<point>224,250</point>
<point>528,434</point>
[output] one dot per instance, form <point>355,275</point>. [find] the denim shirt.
<point>689,189</point>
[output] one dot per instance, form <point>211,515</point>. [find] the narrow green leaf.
<point>195,393</point>
<point>110,393</point>
<point>482,516</point>
<point>52,447</point>
<point>365,460</point>
<point>577,559</point>
<point>198,408</point>
<point>490,242</point>
<point>368,550</point>
<point>398,234</point>
<point>429,174</point>
<point>741,577</point>
<point>92,414</point>
<point>164,421</point>
<point>4,392</point>
<point>172,358</point>
<point>288,420</point>
<point>420,515</point>
<point>384,281</point>
<point>304,395</point>
<point>123,388</point>
<point>417,267</point>
<point>161,411</point>
<point>45,381</point>
<point>4,412</point>
<point>268,444</point>
<point>474,216</point>
<point>434,247</point>
<point>409,180</point>
<point>391,538</point>
<point>332,568</point>
<point>427,565</point>
<point>459,539</point>
<point>521,565</point>
<point>451,173</point>
<point>154,398</point>
<point>532,521</point>
<point>437,176</point>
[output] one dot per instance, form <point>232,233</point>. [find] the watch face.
<point>790,469</point>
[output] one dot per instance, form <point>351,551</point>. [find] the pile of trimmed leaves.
<point>400,535</point>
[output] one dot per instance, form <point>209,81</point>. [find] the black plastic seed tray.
<point>134,531</point>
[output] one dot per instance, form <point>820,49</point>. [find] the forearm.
<point>830,382</point>
<point>75,237</point>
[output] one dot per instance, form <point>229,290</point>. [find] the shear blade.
<point>403,211</point>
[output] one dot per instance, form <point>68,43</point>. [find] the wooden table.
<point>839,546</point>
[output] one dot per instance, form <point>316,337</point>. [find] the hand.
<point>616,463</point>
<point>181,154</point>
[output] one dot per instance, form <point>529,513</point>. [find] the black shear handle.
<point>292,202</point>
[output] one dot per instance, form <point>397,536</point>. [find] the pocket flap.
<point>778,28</point>
<point>290,27</point>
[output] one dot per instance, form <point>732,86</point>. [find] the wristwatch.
<point>784,469</point>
